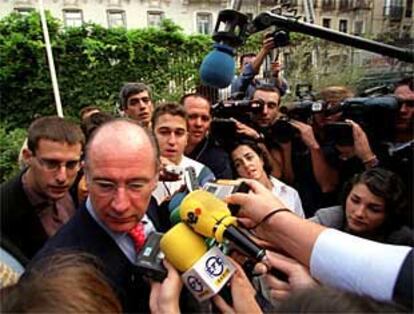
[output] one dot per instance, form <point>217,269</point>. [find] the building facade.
<point>199,16</point>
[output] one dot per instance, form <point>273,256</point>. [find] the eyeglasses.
<point>109,187</point>
<point>54,165</point>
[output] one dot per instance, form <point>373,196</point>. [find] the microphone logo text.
<point>214,266</point>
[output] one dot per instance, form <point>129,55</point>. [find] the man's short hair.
<point>88,109</point>
<point>246,55</point>
<point>195,95</point>
<point>56,129</point>
<point>91,123</point>
<point>171,108</point>
<point>265,87</point>
<point>409,81</point>
<point>335,94</point>
<point>130,89</point>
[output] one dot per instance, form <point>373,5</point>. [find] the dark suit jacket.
<point>22,233</point>
<point>82,233</point>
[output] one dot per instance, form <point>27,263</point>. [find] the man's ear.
<point>155,181</point>
<point>86,174</point>
<point>27,156</point>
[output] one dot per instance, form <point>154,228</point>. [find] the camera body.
<point>301,110</point>
<point>376,115</point>
<point>236,108</point>
<point>340,133</point>
<point>281,37</point>
<point>223,127</point>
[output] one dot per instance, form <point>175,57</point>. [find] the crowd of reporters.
<point>330,161</point>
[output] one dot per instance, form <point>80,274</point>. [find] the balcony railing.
<point>393,13</point>
<point>345,5</point>
<point>328,5</point>
<point>292,3</point>
<point>361,5</point>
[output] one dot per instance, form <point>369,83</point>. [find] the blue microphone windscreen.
<point>176,201</point>
<point>217,68</point>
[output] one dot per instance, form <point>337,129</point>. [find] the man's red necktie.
<point>137,235</point>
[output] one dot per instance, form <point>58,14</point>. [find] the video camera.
<point>223,126</point>
<point>302,109</point>
<point>236,108</point>
<point>376,116</point>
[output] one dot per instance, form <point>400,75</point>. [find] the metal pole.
<point>50,60</point>
<point>235,4</point>
<point>266,19</point>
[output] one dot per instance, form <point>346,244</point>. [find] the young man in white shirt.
<point>169,124</point>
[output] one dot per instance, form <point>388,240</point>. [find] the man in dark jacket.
<point>200,146</point>
<point>121,169</point>
<point>37,202</point>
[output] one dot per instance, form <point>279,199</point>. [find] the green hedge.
<point>92,63</point>
<point>10,144</point>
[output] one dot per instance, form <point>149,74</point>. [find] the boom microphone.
<point>205,271</point>
<point>217,68</point>
<point>267,19</point>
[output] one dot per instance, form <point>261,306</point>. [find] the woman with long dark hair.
<point>249,162</point>
<point>374,207</point>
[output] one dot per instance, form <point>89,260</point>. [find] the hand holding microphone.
<point>164,297</point>
<point>256,205</point>
<point>297,276</point>
<point>243,295</point>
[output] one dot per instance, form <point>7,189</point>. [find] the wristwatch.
<point>371,162</point>
<point>261,138</point>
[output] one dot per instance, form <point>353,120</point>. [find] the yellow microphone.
<point>206,214</point>
<point>182,247</point>
<point>209,216</point>
<point>205,271</point>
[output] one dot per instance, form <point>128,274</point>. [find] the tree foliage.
<point>92,63</point>
<point>10,144</point>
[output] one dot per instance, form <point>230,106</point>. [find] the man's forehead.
<point>140,94</point>
<point>120,155</point>
<point>172,122</point>
<point>248,58</point>
<point>51,145</point>
<point>404,92</point>
<point>267,94</point>
<point>197,104</point>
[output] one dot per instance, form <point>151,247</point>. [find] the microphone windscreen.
<point>202,211</point>
<point>176,201</point>
<point>175,216</point>
<point>182,247</point>
<point>217,68</point>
